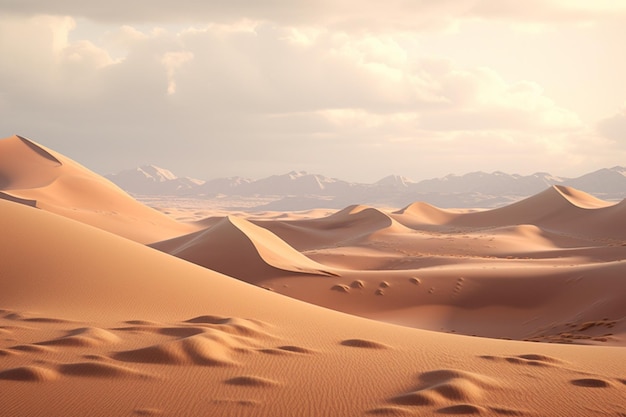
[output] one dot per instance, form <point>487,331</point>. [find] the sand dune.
<point>421,214</point>
<point>558,208</point>
<point>238,248</point>
<point>354,223</point>
<point>170,338</point>
<point>33,175</point>
<point>94,323</point>
<point>546,267</point>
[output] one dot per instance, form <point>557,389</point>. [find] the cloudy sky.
<point>351,89</point>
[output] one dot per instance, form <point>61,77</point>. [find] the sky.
<point>352,89</point>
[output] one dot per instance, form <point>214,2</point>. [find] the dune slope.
<point>240,249</point>
<point>103,326</point>
<point>34,175</point>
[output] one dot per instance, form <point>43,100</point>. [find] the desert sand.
<point>111,308</point>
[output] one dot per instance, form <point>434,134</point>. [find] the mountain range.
<point>299,190</point>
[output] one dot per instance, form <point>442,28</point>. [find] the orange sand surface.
<point>95,322</point>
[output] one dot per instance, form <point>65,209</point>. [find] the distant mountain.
<point>496,183</point>
<point>153,180</point>
<point>606,181</point>
<point>299,190</point>
<point>395,181</point>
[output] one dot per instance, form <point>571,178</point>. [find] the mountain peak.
<point>156,173</point>
<point>395,180</point>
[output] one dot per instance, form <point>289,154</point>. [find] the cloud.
<point>614,127</point>
<point>369,15</point>
<point>253,98</point>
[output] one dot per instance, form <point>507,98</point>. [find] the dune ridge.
<point>222,246</point>
<point>95,323</point>
<point>37,176</point>
<point>135,287</point>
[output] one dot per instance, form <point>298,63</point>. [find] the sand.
<point>31,173</point>
<point>95,322</point>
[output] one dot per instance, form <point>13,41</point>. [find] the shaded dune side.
<point>39,150</point>
<point>26,202</point>
<point>23,164</point>
<point>36,176</point>
<point>240,249</point>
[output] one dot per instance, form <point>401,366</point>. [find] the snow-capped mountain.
<point>153,180</point>
<point>301,190</point>
<point>492,184</point>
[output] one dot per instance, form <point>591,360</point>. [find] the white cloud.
<point>614,127</point>
<point>255,98</point>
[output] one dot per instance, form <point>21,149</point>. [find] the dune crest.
<point>33,175</point>
<point>93,323</point>
<point>237,247</point>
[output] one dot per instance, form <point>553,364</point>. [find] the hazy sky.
<point>351,89</point>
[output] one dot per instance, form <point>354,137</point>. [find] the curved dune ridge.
<point>352,224</point>
<point>93,323</point>
<point>238,248</point>
<point>34,175</point>
<point>24,164</point>
<point>557,208</point>
<point>361,220</point>
<point>423,213</point>
<point>86,280</point>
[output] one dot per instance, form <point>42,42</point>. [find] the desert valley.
<point>109,307</point>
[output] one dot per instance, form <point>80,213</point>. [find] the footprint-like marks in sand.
<point>453,391</point>
<point>357,285</point>
<point>415,280</point>
<point>458,286</point>
<point>364,343</point>
<point>340,288</point>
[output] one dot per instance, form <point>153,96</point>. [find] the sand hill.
<point>34,175</point>
<point>236,247</point>
<point>94,323</point>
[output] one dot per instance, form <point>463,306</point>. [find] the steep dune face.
<point>557,208</point>
<point>240,249</point>
<point>34,175</point>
